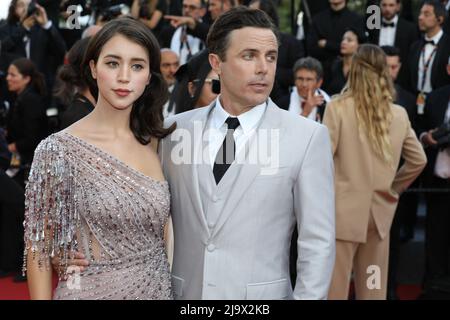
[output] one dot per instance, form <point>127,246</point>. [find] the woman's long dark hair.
<point>70,76</point>
<point>26,67</point>
<point>146,118</point>
<point>12,16</point>
<point>195,70</point>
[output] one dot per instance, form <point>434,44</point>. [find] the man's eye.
<point>272,58</point>
<point>248,56</point>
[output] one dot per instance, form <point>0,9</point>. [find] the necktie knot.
<point>232,123</point>
<point>429,42</point>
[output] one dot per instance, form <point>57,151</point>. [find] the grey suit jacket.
<point>232,239</point>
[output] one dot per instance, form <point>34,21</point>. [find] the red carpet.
<point>10,290</point>
<point>19,291</point>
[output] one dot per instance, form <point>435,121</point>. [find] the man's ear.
<point>93,69</point>
<point>319,83</point>
<point>215,63</point>
<point>191,89</point>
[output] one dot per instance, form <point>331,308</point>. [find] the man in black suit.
<point>324,39</point>
<point>397,32</point>
<point>437,176</point>
<point>406,214</point>
<point>403,97</point>
<point>34,37</point>
<point>429,56</point>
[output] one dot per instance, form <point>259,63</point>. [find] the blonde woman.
<point>369,135</point>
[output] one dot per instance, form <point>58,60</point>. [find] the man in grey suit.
<point>242,174</point>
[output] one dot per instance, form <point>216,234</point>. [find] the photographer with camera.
<point>434,131</point>
<point>30,34</point>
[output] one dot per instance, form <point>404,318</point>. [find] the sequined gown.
<point>81,198</point>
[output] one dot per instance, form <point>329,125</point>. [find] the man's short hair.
<point>439,9</point>
<point>391,51</point>
<point>235,19</point>
<point>310,64</point>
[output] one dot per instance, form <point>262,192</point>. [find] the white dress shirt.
<point>216,128</point>
<point>428,51</point>
<point>387,34</point>
<point>195,44</point>
<point>296,100</point>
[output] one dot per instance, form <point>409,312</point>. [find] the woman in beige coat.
<point>369,135</point>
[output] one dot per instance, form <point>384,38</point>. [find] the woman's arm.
<point>39,278</point>
<point>154,20</point>
<point>135,9</point>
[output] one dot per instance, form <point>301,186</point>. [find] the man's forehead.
<point>306,72</point>
<point>254,38</point>
<point>197,2</point>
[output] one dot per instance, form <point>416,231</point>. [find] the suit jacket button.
<point>211,224</point>
<point>211,247</point>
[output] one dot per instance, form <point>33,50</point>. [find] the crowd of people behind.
<point>43,89</point>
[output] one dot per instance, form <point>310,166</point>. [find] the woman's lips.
<point>122,92</point>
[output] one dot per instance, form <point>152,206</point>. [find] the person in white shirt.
<point>233,220</point>
<point>184,44</point>
<point>429,56</point>
<point>306,98</point>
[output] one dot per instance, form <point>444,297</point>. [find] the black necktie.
<point>428,42</point>
<point>227,151</point>
<point>388,24</point>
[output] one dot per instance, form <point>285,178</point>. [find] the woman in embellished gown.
<point>97,187</point>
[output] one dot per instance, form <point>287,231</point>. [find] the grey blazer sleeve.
<point>314,205</point>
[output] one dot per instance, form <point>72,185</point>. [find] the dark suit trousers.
<point>437,240</point>
<point>12,202</point>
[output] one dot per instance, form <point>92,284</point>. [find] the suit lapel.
<point>240,176</point>
<point>190,175</point>
<point>437,59</point>
<point>398,33</point>
<point>415,66</point>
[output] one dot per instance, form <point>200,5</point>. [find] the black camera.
<point>112,12</point>
<point>32,9</point>
<point>442,135</point>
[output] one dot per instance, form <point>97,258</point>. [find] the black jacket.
<point>331,26</point>
<point>406,34</point>
<point>47,47</point>
<point>78,109</point>
<point>439,76</point>
<point>5,155</point>
<point>27,123</point>
<point>433,117</point>
<point>408,101</point>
